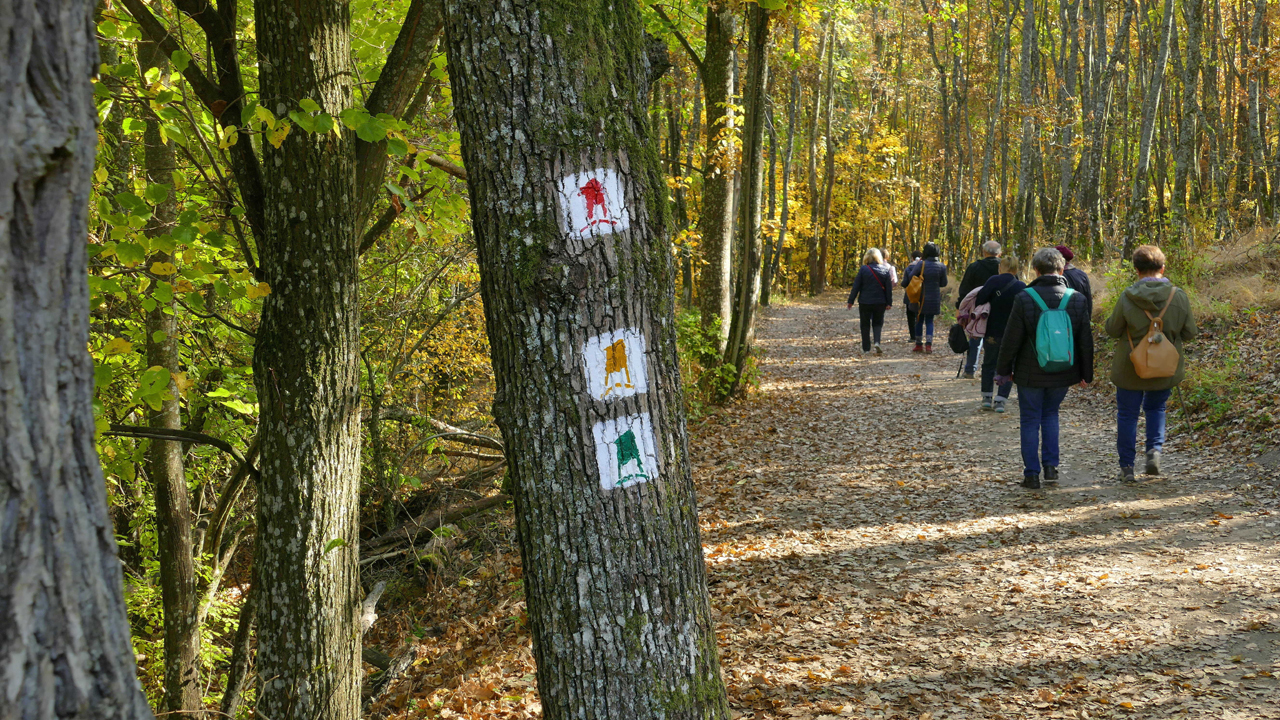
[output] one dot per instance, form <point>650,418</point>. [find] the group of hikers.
<point>1038,336</point>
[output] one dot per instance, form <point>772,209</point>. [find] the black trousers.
<point>911,321</point>
<point>872,320</point>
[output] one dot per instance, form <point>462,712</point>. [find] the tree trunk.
<point>579,311</point>
<point>64,636</point>
<point>1094,153</point>
<point>1024,218</point>
<point>716,220</point>
<point>829,168</point>
<point>164,457</point>
<point>1193,14</point>
<point>793,104</point>
<point>1136,222</point>
<point>816,270</point>
<point>306,369</point>
<point>742,328</point>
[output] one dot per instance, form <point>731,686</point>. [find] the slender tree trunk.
<point>829,162</point>
<point>742,328</point>
<point>306,367</point>
<point>164,458</point>
<point>793,105</point>
<point>1257,153</point>
<point>1024,214</point>
<point>1193,14</point>
<point>64,636</point>
<point>1095,152</point>
<point>816,271</point>
<point>1136,222</point>
<point>579,310</point>
<point>716,221</point>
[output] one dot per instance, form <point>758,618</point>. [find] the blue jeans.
<point>1128,404</point>
<point>1039,415</point>
<point>924,323</point>
<point>971,362</point>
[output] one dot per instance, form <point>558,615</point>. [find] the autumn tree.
<point>570,219</point>
<point>63,630</point>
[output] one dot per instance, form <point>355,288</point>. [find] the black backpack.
<point>957,339</point>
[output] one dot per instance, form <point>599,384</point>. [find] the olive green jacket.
<point>1128,319</point>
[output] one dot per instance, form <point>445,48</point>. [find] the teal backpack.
<point>1055,340</point>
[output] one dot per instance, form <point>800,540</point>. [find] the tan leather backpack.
<point>1155,356</point>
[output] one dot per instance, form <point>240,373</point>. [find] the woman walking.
<point>1000,291</point>
<point>1150,301</point>
<point>913,309</point>
<point>934,276</point>
<point>873,290</point>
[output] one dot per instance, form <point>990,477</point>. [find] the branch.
<point>154,31</point>
<point>384,223</point>
<point>435,160</point>
<point>456,433</point>
<point>470,454</point>
<point>693,55</point>
<point>238,675</point>
<point>429,521</point>
<point>230,492</point>
<point>170,434</point>
<point>211,315</point>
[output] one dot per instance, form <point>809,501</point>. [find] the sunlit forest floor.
<point>871,555</point>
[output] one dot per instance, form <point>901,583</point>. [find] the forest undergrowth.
<point>871,556</point>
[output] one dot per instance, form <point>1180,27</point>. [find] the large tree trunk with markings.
<point>306,368</point>
<point>64,636</point>
<point>569,207</point>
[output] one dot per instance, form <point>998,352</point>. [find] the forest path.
<point>872,555</point>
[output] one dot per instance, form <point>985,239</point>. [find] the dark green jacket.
<point>1128,319</point>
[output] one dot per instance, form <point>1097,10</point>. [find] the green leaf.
<point>241,407</point>
<point>324,123</point>
<point>371,130</point>
<point>397,147</point>
<point>181,60</point>
<point>309,105</point>
<point>304,121</point>
<point>156,193</point>
<point>265,116</point>
<point>163,292</point>
<point>174,133</point>
<point>148,304</point>
<point>131,126</point>
<point>220,392</point>
<point>159,336</point>
<point>130,253</point>
<point>334,544</point>
<point>154,380</point>
<point>103,374</point>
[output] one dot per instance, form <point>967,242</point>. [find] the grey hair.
<point>991,247</point>
<point>873,256</point>
<point>1048,260</point>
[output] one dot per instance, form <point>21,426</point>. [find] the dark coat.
<point>1018,347</point>
<point>1129,319</point>
<point>1078,280</point>
<point>935,278</point>
<point>1000,291</point>
<point>911,267</point>
<point>976,275</point>
<point>873,285</point>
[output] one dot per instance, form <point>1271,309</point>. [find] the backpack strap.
<point>1038,300</point>
<point>1066,298</point>
<point>1158,318</point>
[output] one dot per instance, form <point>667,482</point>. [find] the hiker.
<point>1151,298</point>
<point>912,308</point>
<point>1047,347</point>
<point>1000,291</point>
<point>977,274</point>
<point>933,274</point>
<point>873,289</point>
<point>1077,279</point>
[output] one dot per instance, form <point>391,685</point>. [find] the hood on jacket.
<point>1150,295</point>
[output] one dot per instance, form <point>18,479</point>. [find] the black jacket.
<point>1018,347</point>
<point>1078,280</point>
<point>935,278</point>
<point>874,285</point>
<point>1000,291</point>
<point>976,275</point>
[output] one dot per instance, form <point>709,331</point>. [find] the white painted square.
<point>614,364</point>
<point>626,454</point>
<point>592,203</point>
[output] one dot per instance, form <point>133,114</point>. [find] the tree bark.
<point>614,576</point>
<point>306,369</point>
<point>742,327</point>
<point>1193,15</point>
<point>716,221</point>
<point>64,636</point>
<point>164,457</point>
<point>784,219</point>
<point>1024,218</point>
<point>829,169</point>
<point>1136,221</point>
<point>816,271</point>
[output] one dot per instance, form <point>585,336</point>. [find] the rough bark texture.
<point>1136,222</point>
<point>63,632</point>
<point>164,457</point>
<point>716,221</point>
<point>817,272</point>
<point>306,367</point>
<point>614,578</point>
<point>747,293</point>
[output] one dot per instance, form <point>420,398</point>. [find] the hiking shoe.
<point>878,350</point>
<point>1050,474</point>
<point>967,376</point>
<point>1126,475</point>
<point>1153,462</point>
<point>918,348</point>
<point>928,348</point>
<point>999,407</point>
<point>986,403</point>
<point>1031,482</point>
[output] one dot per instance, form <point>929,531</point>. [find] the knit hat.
<point>1066,253</point>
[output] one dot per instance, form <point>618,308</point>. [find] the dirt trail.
<point>872,555</point>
